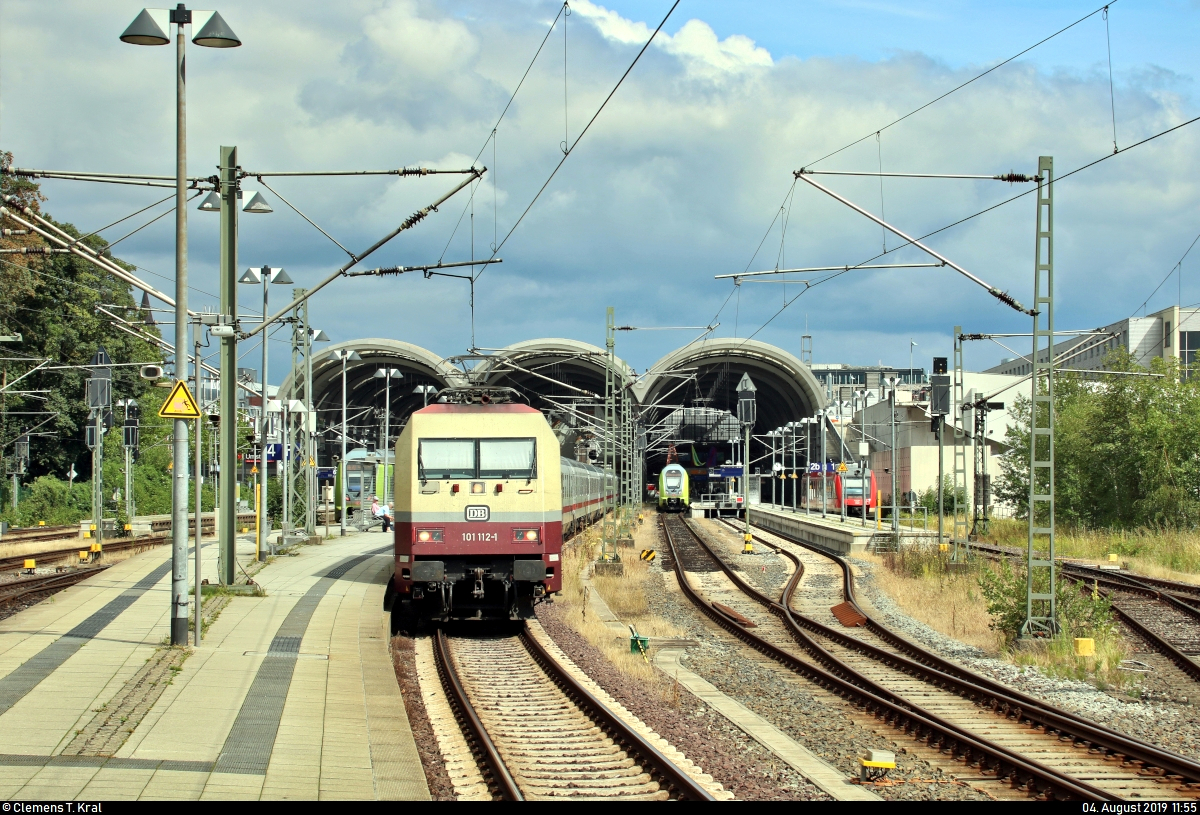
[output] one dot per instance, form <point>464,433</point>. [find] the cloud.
<point>676,182</point>
<point>695,44</point>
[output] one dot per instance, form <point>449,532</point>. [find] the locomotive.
<point>482,500</point>
<point>673,489</point>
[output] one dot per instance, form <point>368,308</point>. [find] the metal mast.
<point>1040,613</point>
<point>959,419</point>
<point>608,547</point>
<point>296,455</point>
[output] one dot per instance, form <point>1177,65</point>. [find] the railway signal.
<point>747,409</point>
<point>99,397</point>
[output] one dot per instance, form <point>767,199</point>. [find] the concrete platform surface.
<point>289,696</point>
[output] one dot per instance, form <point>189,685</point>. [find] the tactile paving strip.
<point>34,670</point>
<point>247,749</point>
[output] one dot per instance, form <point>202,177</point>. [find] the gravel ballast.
<point>1168,724</point>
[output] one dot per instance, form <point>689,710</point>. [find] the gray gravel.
<point>1160,721</point>
<point>777,695</point>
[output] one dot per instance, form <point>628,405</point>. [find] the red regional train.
<point>482,502</point>
<point>848,487</point>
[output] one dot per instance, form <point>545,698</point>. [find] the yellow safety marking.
<point>180,404</point>
<point>647,555</point>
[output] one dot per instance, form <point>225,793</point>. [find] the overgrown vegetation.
<point>984,606</point>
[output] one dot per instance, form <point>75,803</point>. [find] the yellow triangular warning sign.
<point>180,404</point>
<point>254,470</point>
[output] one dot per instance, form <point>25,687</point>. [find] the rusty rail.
<point>1002,699</point>
<point>849,683</point>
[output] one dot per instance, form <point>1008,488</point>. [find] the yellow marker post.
<point>748,548</point>
<point>878,508</point>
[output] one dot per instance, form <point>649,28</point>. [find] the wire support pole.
<point>407,224</point>
<point>1041,619</point>
<point>1000,295</point>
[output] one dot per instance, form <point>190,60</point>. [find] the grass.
<point>1165,553</point>
<point>1057,658</point>
<point>626,596</point>
<point>951,603</point>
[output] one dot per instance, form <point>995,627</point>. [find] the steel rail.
<point>16,561</point>
<point>902,715</point>
<point>51,582</point>
<point>681,785</point>
<point>483,746</point>
<point>1005,700</point>
<point>1130,585</point>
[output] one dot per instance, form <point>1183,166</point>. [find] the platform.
<point>831,532</point>
<point>292,695</point>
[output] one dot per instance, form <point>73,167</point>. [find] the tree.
<point>1127,448</point>
<point>52,302</point>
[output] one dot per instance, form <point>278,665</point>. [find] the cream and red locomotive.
<point>482,501</point>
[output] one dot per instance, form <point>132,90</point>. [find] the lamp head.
<point>211,203</point>
<point>145,30</point>
<point>257,205</point>
<point>278,275</point>
<point>216,33</point>
<point>318,335</point>
<point>251,275</point>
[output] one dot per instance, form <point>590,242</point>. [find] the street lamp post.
<point>387,375</point>
<point>425,391</point>
<point>345,355</point>
<point>148,29</point>
<point>265,275</point>
<point>821,419</point>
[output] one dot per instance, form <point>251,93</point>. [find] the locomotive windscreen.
<point>507,458</point>
<point>854,486</point>
<point>477,458</point>
<point>673,480</point>
<point>446,458</point>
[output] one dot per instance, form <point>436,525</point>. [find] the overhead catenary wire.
<point>305,217</point>
<point>406,224</point>
<point>582,133</point>
<point>984,211</point>
<point>959,87</point>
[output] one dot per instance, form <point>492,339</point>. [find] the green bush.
<point>1081,613</point>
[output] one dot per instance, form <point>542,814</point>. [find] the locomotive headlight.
<point>429,535</point>
<point>526,535</point>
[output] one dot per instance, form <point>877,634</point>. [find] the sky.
<point>684,175</point>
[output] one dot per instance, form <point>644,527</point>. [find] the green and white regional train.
<point>674,493</point>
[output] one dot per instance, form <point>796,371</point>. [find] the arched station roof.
<point>707,374</point>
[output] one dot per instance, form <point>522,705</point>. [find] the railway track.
<point>1030,744</point>
<point>39,533</point>
<point>1164,613</point>
<point>20,589</point>
<point>120,545</point>
<point>536,733</point>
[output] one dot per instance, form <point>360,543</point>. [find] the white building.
<point>1173,333</point>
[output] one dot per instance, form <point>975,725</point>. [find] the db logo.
<point>478,513</point>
